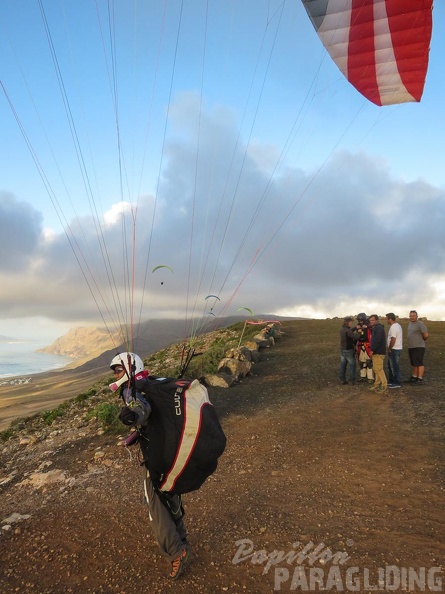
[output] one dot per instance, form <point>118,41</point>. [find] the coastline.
<point>20,359</point>
<point>44,391</point>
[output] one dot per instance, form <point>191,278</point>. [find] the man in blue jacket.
<point>378,351</point>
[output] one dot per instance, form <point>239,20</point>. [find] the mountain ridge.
<point>94,347</point>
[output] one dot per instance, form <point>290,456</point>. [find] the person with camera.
<point>363,349</point>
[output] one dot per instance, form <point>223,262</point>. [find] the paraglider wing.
<point>162,266</point>
<point>247,309</point>
<point>381,46</point>
<point>215,296</point>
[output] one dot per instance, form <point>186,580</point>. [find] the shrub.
<point>107,414</point>
<point>50,415</point>
<point>6,434</point>
<point>85,395</point>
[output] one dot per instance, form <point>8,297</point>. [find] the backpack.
<point>183,438</point>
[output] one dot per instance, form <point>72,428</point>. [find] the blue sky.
<point>235,147</point>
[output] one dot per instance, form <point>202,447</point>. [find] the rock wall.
<point>238,362</point>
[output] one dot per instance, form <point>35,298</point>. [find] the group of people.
<point>367,344</point>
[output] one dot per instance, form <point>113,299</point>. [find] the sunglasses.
<point>118,370</point>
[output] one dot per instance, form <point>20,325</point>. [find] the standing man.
<point>378,351</point>
<point>347,353</point>
<point>395,345</point>
<point>417,335</point>
<point>363,348</point>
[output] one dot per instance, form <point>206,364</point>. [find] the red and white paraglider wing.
<point>381,46</point>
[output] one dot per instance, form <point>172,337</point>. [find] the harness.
<point>364,343</point>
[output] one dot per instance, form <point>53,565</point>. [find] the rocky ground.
<point>347,480</point>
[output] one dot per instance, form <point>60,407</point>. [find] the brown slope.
<point>47,390</point>
<point>307,460</point>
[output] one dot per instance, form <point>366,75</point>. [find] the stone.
<point>220,380</point>
<point>41,479</point>
<point>234,367</point>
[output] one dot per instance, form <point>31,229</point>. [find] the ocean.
<point>19,359</point>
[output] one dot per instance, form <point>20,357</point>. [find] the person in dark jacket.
<point>378,351</point>
<point>347,351</point>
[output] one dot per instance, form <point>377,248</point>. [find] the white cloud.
<point>351,238</point>
<point>116,212</point>
<point>49,234</point>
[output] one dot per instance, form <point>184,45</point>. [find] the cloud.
<point>113,216</point>
<point>232,220</point>
<point>20,231</point>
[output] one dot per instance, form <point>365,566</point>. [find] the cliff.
<point>81,343</point>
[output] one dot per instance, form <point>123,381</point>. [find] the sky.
<point>218,139</point>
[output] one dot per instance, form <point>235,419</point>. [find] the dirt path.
<point>308,461</point>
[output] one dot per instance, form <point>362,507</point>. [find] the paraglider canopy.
<point>162,266</point>
<point>212,297</point>
<point>247,309</point>
<point>381,46</point>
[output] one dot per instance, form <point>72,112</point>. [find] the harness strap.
<point>173,503</point>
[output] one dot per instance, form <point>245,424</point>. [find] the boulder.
<point>254,353</point>
<point>240,354</point>
<point>263,341</point>
<point>219,380</point>
<point>234,367</point>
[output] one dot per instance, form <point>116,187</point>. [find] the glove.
<point>127,416</point>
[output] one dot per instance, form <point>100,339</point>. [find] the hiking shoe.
<point>179,564</point>
<point>394,386</point>
<point>413,379</point>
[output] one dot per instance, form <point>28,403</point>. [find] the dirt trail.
<point>308,461</point>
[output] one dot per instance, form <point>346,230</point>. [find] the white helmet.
<point>132,364</point>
